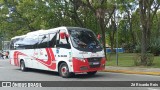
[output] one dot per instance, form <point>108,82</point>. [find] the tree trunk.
<point>143,19</point>
<point>146,18</point>
<point>112,33</point>
<point>132,33</point>
<point>101,23</point>
<point>112,42</point>
<point>143,46</point>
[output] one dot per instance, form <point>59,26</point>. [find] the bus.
<point>66,50</point>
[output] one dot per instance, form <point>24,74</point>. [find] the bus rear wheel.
<point>92,73</point>
<point>64,70</point>
<point>22,66</point>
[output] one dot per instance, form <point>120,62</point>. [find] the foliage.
<point>155,46</point>
<point>147,15</point>
<point>138,48</point>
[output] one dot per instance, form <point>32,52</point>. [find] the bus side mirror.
<point>62,35</point>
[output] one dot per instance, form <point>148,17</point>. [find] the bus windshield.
<point>84,40</point>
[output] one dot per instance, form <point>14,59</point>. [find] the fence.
<point>120,50</point>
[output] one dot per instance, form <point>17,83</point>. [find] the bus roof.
<point>35,34</point>
<point>22,36</point>
<point>77,28</point>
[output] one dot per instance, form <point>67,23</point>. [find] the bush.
<point>155,46</point>
<point>137,48</point>
<point>148,59</point>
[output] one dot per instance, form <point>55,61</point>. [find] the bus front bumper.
<point>85,65</point>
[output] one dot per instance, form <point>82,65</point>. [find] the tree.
<point>103,11</point>
<point>111,33</point>
<point>147,11</point>
<point>126,8</point>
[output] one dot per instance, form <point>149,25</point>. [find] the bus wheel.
<point>64,70</point>
<point>22,65</point>
<point>92,73</point>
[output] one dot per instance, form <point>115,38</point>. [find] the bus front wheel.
<point>22,66</point>
<point>64,70</point>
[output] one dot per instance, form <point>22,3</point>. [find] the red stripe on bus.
<point>49,62</point>
<point>15,58</point>
<point>52,65</point>
<point>16,54</point>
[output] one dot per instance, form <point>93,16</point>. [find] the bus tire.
<point>64,70</point>
<point>22,65</point>
<point>92,73</point>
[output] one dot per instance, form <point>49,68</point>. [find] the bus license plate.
<point>95,63</point>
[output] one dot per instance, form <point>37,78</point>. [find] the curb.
<point>133,72</point>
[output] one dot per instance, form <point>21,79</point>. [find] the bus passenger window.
<point>43,41</point>
<point>52,39</point>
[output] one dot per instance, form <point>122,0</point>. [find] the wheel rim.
<point>64,71</point>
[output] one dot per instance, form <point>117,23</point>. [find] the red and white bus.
<point>66,50</point>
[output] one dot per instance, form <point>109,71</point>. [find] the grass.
<point>127,60</point>
<point>156,62</point>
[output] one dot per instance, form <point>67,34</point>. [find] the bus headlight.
<point>81,59</point>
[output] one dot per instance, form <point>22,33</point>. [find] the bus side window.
<point>12,45</point>
<point>43,41</point>
<point>30,43</point>
<point>52,39</point>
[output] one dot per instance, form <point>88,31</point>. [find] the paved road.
<point>13,73</point>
